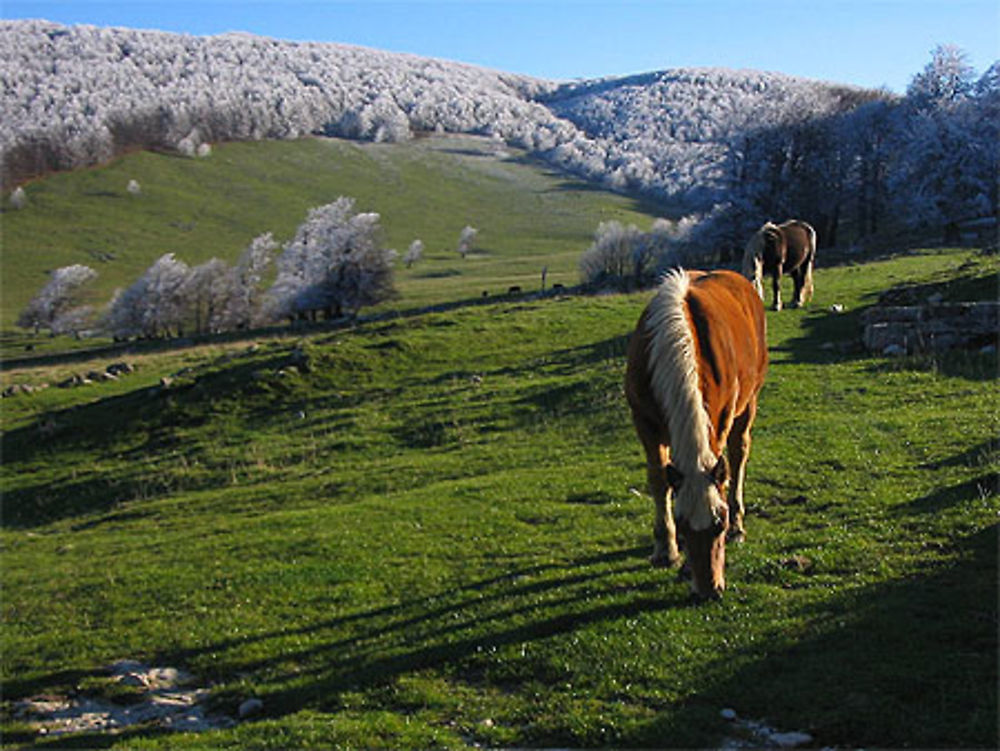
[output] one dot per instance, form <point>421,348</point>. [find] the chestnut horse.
<point>775,249</point>
<point>696,364</point>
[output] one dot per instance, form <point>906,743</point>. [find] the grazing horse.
<point>696,364</point>
<point>788,248</point>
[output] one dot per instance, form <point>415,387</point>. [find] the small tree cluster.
<point>335,265</point>
<point>171,297</point>
<point>58,306</point>
<point>623,256</point>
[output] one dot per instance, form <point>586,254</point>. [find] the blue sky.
<point>862,42</point>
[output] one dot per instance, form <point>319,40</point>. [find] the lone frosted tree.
<point>18,198</point>
<point>414,253</point>
<point>466,240</point>
<point>57,306</point>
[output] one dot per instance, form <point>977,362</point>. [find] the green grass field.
<point>429,189</point>
<point>425,534</point>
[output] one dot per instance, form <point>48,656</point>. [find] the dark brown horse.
<point>777,249</point>
<point>696,364</point>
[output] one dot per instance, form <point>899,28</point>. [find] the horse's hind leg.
<point>799,279</point>
<point>776,285</point>
<point>738,445</point>
<point>807,276</point>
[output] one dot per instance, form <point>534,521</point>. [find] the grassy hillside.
<point>429,189</point>
<point>424,533</point>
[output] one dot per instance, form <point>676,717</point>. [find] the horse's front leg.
<point>776,286</point>
<point>665,552</point>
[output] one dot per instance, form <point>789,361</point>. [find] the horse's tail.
<point>807,287</point>
<point>753,261</point>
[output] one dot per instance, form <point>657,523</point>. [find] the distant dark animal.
<point>696,364</point>
<point>777,249</point>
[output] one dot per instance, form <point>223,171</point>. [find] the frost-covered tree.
<point>18,198</point>
<point>58,305</point>
<point>203,292</point>
<point>466,240</point>
<point>242,295</point>
<point>619,255</point>
<point>947,79</point>
<point>945,158</point>
<point>335,265</point>
<point>414,253</point>
<point>153,306</point>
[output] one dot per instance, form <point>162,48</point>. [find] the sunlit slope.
<point>528,216</point>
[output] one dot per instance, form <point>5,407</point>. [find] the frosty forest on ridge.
<point>732,147</point>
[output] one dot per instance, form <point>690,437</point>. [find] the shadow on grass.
<point>145,419</point>
<point>830,337</point>
<point>453,628</point>
<point>912,663</point>
<point>945,498</point>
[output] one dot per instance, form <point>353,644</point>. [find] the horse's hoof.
<point>663,560</point>
<point>684,573</point>
<point>736,536</point>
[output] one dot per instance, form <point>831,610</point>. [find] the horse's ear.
<point>674,476</point>
<point>720,472</point>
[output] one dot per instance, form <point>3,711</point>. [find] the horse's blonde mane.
<point>675,381</point>
<point>673,365</point>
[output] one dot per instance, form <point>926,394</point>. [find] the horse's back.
<point>731,335</point>
<point>733,312</point>
<point>800,241</point>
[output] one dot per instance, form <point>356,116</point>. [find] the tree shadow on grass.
<point>912,663</point>
<point>908,663</point>
<point>451,630</point>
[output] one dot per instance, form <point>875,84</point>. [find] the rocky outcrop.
<point>935,327</point>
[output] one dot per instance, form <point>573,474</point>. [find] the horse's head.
<point>701,515</point>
